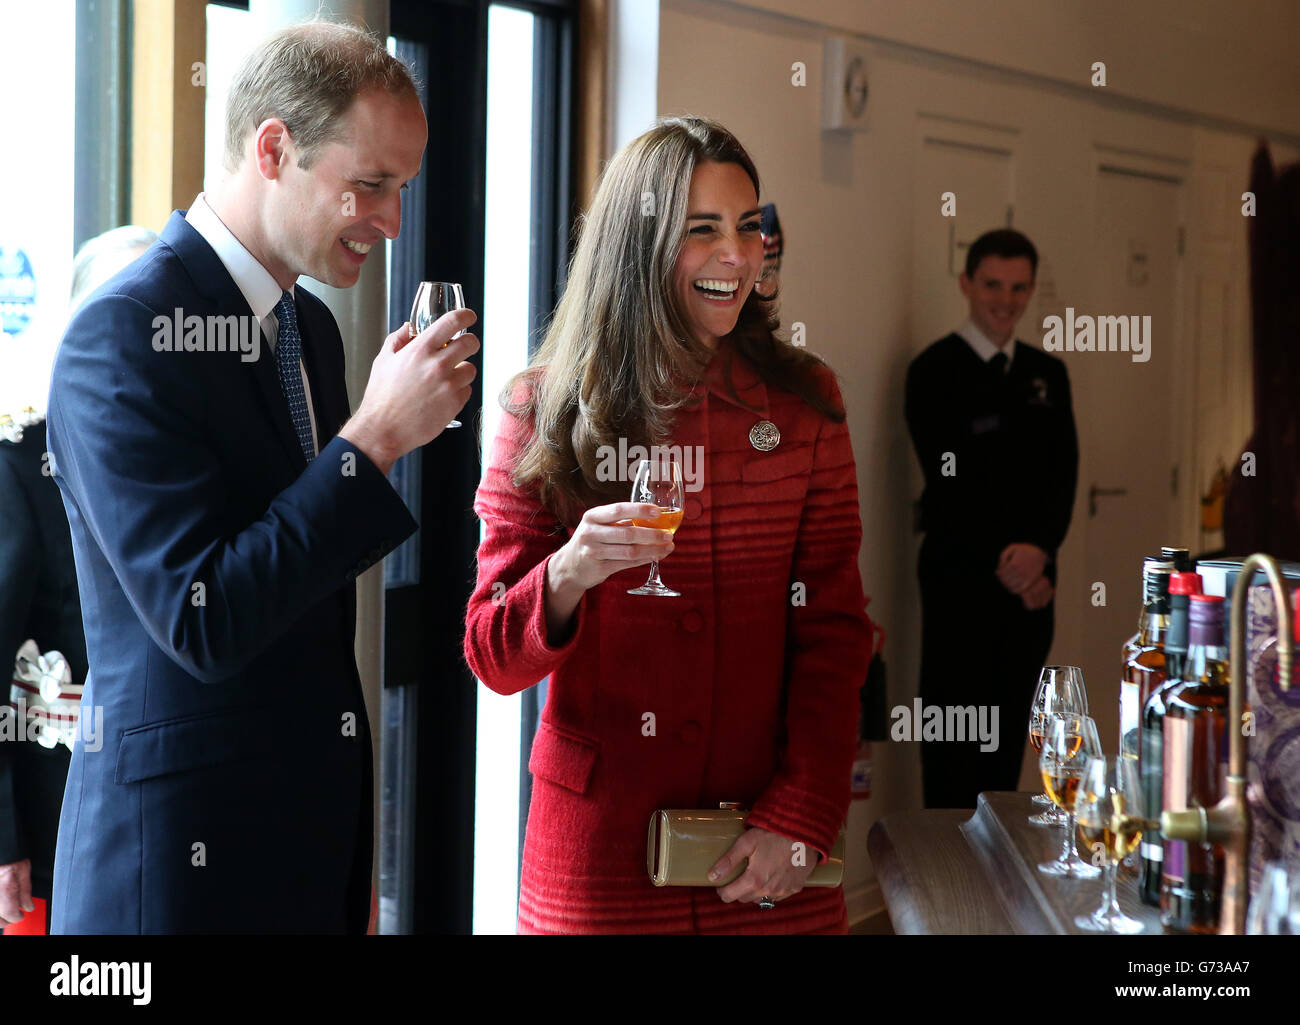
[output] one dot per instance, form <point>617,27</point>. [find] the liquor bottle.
<point>1181,585</point>
<point>1195,771</point>
<point>1143,656</point>
<point>1180,557</point>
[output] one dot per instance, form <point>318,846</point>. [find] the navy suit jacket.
<point>230,787</point>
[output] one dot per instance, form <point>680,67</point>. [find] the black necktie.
<point>288,350</point>
<point>999,363</point>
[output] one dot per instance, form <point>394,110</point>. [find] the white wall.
<point>1221,62</point>
<point>846,207</point>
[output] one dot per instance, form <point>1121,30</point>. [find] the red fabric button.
<point>693,508</point>
<point>689,732</point>
<point>693,621</point>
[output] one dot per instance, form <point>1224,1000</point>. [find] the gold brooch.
<point>764,436</point>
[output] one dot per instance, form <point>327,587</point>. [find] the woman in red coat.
<point>745,687</point>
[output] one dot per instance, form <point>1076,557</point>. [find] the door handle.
<point>1094,491</point>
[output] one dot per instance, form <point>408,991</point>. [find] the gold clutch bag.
<point>682,845</point>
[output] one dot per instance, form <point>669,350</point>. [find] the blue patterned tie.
<point>288,351</point>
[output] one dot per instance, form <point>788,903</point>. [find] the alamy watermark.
<point>954,723</point>
<point>1100,334</point>
<point>24,723</point>
<point>179,333</point>
<point>619,462</point>
<point>77,978</point>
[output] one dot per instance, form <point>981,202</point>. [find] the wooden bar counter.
<point>951,871</point>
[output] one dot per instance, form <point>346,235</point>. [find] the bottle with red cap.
<point>1181,587</point>
<point>1196,770</point>
<point>1295,638</point>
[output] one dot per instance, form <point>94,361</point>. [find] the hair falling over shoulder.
<point>618,359</point>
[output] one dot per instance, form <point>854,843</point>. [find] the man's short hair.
<point>308,75</point>
<point>1003,242</point>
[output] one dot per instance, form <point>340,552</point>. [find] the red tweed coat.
<point>753,682</point>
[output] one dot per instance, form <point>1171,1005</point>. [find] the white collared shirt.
<point>252,279</point>
<point>984,348</point>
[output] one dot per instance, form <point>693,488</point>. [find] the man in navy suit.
<point>993,426</point>
<point>222,503</point>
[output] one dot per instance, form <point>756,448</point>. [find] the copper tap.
<point>1228,822</point>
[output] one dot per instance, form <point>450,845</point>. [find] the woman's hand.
<point>772,871</point>
<point>604,543</point>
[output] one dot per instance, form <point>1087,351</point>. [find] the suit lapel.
<point>213,281</point>
<point>275,404</point>
<point>329,397</point>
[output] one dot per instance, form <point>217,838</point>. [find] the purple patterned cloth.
<point>1273,751</point>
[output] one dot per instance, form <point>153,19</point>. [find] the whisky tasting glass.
<point>1068,742</point>
<point>1060,689</point>
<point>659,482</point>
<point>1110,812</point>
<point>432,300</point>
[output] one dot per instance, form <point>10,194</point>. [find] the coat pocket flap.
<point>564,758</point>
<point>178,745</point>
<point>767,466</point>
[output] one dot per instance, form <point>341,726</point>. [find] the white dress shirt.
<point>252,279</point>
<point>984,348</point>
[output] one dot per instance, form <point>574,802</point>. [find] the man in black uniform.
<point>994,430</point>
<point>39,601</point>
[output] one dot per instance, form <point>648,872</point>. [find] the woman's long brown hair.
<point>618,359</point>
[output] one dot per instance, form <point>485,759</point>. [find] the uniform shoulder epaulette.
<point>12,424</point>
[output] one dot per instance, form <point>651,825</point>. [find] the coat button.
<point>693,621</point>
<point>693,508</point>
<point>689,732</point>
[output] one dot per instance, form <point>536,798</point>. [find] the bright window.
<point>36,181</point>
<point>505,353</point>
